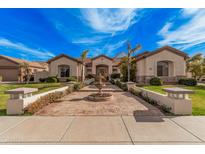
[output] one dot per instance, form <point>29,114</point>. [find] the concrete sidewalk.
<point>102,130</point>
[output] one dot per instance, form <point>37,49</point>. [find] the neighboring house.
<point>64,66</point>
<point>167,63</point>
<point>10,69</point>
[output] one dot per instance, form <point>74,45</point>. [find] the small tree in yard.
<point>124,69</point>
<point>196,65</point>
<point>129,54</point>
<point>26,71</point>
<point>83,57</point>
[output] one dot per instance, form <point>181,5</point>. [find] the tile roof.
<point>19,61</point>
<point>169,48</point>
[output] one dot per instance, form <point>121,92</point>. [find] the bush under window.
<point>51,79</point>
<point>155,81</point>
<point>188,82</point>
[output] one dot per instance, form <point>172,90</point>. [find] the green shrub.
<point>123,86</point>
<point>118,83</point>
<point>155,81</point>
<point>165,108</point>
<point>188,82</point>
<point>71,78</point>
<point>42,79</point>
<point>77,86</point>
<point>46,100</point>
<point>136,91</point>
<point>43,101</point>
<point>112,81</point>
<point>51,79</point>
<point>115,76</point>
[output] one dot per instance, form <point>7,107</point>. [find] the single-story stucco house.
<point>167,63</point>
<point>10,69</point>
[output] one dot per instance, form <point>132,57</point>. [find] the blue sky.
<point>39,34</point>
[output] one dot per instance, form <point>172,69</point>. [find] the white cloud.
<point>189,11</point>
<point>24,50</point>
<point>109,20</point>
<point>189,34</point>
<point>89,40</point>
<point>111,47</point>
<point>107,49</point>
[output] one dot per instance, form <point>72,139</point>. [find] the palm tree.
<point>26,71</point>
<point>130,52</point>
<point>83,57</point>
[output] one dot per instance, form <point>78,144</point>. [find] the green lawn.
<point>42,87</point>
<point>198,99</point>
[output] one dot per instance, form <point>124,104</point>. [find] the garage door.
<point>10,74</point>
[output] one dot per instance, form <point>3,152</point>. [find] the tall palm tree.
<point>129,54</point>
<point>83,57</point>
<point>26,71</point>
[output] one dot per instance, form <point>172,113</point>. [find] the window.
<point>64,70</point>
<point>162,68</point>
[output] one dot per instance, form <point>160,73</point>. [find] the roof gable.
<point>63,55</point>
<point>167,48</point>
<point>102,56</point>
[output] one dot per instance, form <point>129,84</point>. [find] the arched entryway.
<point>103,69</point>
<point>165,68</point>
<point>64,71</point>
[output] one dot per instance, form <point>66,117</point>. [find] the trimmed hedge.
<point>115,76</point>
<point>71,78</point>
<point>46,100</point>
<point>155,81</point>
<point>77,86</point>
<point>51,79</point>
<point>188,82</point>
<point>122,85</point>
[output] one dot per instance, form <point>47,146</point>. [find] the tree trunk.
<point>82,73</point>
<point>28,79</point>
<point>128,70</point>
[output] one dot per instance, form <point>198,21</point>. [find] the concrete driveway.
<point>102,130</point>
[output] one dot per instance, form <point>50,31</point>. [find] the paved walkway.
<point>122,103</point>
<point>102,130</point>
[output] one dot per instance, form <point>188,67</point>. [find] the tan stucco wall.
<point>102,61</point>
<point>5,62</point>
<point>178,106</point>
<point>148,66</point>
<point>8,70</point>
<point>74,66</point>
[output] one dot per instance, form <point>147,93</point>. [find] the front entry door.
<point>103,70</point>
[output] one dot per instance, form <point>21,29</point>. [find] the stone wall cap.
<point>21,91</point>
<point>177,90</point>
